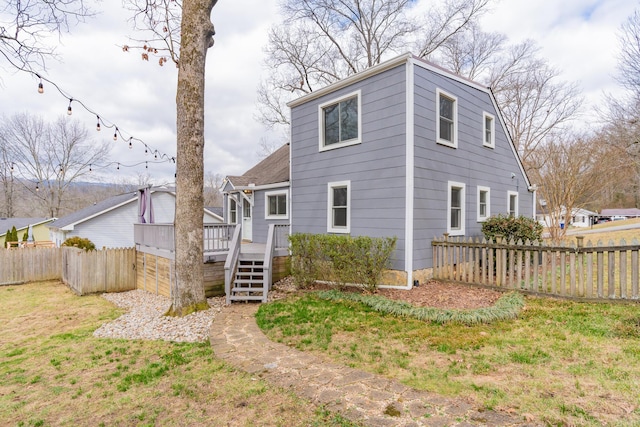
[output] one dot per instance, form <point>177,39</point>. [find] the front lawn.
<point>560,362</point>
<point>53,372</point>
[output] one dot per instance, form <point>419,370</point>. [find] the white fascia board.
<point>263,187</point>
<point>386,65</point>
<point>70,226</point>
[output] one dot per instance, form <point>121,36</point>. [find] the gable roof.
<point>216,210</point>
<point>95,210</point>
<point>274,169</point>
<point>20,223</point>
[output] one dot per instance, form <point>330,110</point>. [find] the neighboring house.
<point>620,213</point>
<point>109,223</point>
<point>259,197</point>
<point>579,217</point>
<point>403,149</point>
<point>38,232</point>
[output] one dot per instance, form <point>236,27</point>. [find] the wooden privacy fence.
<point>578,271</point>
<point>29,265</point>
<point>107,270</point>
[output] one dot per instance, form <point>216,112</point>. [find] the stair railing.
<point>268,260</point>
<point>231,264</point>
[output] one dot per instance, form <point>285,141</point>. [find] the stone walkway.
<point>359,396</point>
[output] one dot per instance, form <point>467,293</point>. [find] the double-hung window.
<point>484,203</point>
<point>276,204</point>
<point>513,203</point>
<point>339,209</point>
<point>455,204</point>
<point>447,119</point>
<point>489,130</point>
<point>340,122</point>
<point>233,211</point>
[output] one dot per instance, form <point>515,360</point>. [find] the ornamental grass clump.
<point>507,307</point>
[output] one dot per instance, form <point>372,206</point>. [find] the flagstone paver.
<point>357,395</point>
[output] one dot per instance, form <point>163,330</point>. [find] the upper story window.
<point>447,119</point>
<point>340,122</point>
<point>484,203</point>
<point>455,204</point>
<point>339,209</point>
<point>276,206</point>
<point>489,127</point>
<point>513,203</point>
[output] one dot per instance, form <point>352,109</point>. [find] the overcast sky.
<point>578,37</point>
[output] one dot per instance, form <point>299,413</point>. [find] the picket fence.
<point>581,271</point>
<point>107,270</point>
<point>22,265</point>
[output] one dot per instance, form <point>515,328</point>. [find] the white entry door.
<point>246,220</point>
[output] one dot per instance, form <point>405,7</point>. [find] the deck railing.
<point>591,271</point>
<point>161,236</point>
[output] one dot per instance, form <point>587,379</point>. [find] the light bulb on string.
<point>155,155</point>
<point>146,165</point>
<point>37,186</point>
<point>90,170</point>
<point>69,112</point>
<point>146,151</point>
<point>98,123</point>
<point>40,87</point>
<point>12,165</point>
<point>115,134</point>
<point>130,144</point>
<point>118,166</point>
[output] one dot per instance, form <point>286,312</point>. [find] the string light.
<point>146,165</point>
<point>130,145</point>
<point>90,170</point>
<point>37,186</point>
<point>118,166</point>
<point>99,122</point>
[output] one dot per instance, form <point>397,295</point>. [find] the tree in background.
<point>50,157</point>
<point>7,171</point>
<point>322,41</point>
<point>23,39</point>
<point>212,194</point>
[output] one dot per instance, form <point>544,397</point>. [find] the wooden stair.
<point>249,283</point>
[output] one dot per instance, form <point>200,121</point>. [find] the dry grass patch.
<point>54,372</point>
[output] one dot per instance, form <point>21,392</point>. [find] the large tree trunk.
<point>197,33</point>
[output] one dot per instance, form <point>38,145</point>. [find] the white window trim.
<point>509,194</point>
<point>488,213</point>
<point>454,143</point>
<point>267,194</point>
<point>330,187</point>
<point>492,143</point>
<point>349,142</point>
<point>463,196</point>
<point>231,199</point>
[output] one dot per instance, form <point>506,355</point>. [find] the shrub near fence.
<point>107,270</point>
<point>578,271</point>
<point>29,265</point>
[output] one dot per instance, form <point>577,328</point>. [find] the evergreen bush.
<point>25,236</point>
<point>80,243</point>
<point>512,228</point>
<point>339,258</point>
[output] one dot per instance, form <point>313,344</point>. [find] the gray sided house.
<point>109,223</point>
<point>259,197</point>
<point>403,149</point>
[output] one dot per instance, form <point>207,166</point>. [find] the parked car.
<point>618,218</point>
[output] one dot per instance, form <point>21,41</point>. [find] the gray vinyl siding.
<point>470,163</point>
<point>376,167</point>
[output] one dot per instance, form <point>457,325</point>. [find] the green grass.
<point>567,363</point>
<point>54,372</point>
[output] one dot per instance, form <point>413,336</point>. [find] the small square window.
<point>489,130</point>
<point>339,122</point>
<point>276,204</point>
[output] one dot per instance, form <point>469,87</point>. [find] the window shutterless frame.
<point>446,119</point>
<point>340,122</point>
<point>339,207</point>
